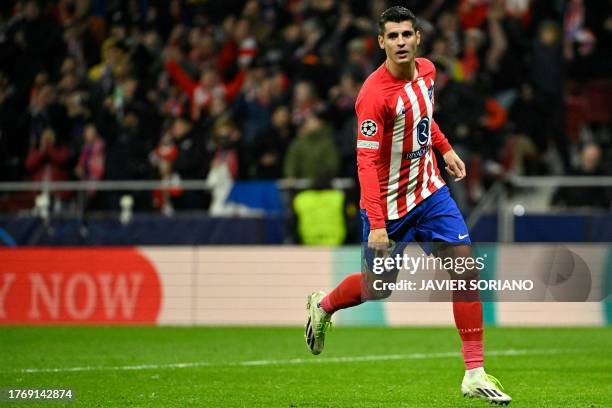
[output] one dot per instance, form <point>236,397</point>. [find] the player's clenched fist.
<point>378,239</point>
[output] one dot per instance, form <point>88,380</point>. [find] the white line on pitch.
<point>311,360</point>
<point>387,357</point>
<point>114,368</point>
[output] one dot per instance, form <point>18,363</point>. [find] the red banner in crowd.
<point>102,285</point>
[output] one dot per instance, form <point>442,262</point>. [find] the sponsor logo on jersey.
<point>368,128</point>
<point>418,153</point>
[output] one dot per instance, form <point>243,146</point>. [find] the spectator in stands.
<point>598,196</point>
<point>49,162</point>
<point>271,145</point>
<point>188,163</point>
<point>473,13</point>
<point>45,112</point>
<point>342,97</point>
<point>448,28</point>
<point>91,162</point>
<point>201,92</point>
<point>104,74</point>
<point>176,102</point>
<point>13,145</point>
<point>305,101</point>
<point>247,45</point>
<point>546,75</point>
<point>524,123</point>
<point>226,138</point>
<point>79,113</point>
<point>470,60</point>
<point>342,114</point>
<point>163,158</point>
<point>192,160</point>
<point>312,154</point>
<point>254,105</point>
<point>127,148</point>
<point>358,57</point>
<point>90,166</point>
<point>461,112</point>
<point>224,166</point>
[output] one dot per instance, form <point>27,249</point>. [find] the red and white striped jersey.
<point>396,132</point>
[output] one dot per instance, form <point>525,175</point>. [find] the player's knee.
<point>378,286</point>
<point>464,266</point>
<point>463,273</point>
<point>374,294</point>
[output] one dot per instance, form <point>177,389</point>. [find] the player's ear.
<point>381,41</point>
<point>418,37</point>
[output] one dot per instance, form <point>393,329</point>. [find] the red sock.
<point>348,293</point>
<point>468,319</point>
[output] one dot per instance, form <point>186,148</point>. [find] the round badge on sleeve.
<point>368,128</point>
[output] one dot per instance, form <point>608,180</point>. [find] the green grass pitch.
<point>270,367</point>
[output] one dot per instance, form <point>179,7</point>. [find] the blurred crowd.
<point>265,89</point>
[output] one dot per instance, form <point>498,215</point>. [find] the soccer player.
<point>403,197</point>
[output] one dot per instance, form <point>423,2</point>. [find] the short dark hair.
<point>396,14</point>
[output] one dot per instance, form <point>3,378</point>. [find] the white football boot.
<point>317,324</point>
<point>477,383</point>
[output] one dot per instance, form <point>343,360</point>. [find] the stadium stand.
<point>229,91</point>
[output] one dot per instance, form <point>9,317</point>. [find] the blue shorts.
<point>435,219</point>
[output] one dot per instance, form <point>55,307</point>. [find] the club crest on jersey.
<point>368,128</point>
<point>423,131</point>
